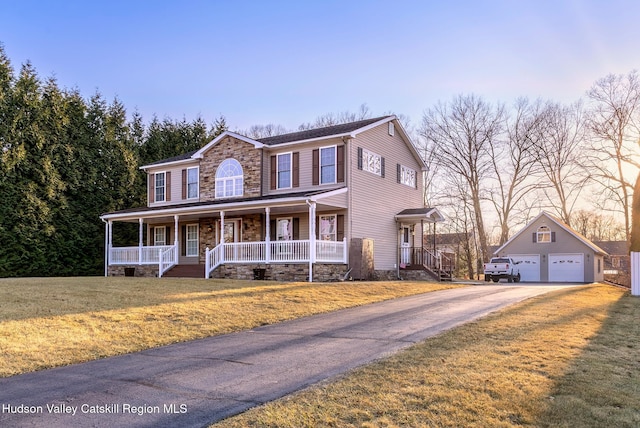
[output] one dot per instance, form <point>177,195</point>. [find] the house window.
<point>328,228</point>
<point>284,170</point>
<point>328,165</point>
<point>229,179</point>
<point>192,240</point>
<point>543,234</point>
<point>392,129</point>
<point>192,183</point>
<point>160,235</point>
<point>371,162</point>
<point>407,176</point>
<point>159,186</point>
<point>284,231</point>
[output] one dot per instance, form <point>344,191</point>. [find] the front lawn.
<point>48,322</point>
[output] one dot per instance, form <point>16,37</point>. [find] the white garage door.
<point>566,267</point>
<point>529,266</point>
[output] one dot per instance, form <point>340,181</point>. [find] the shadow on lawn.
<point>601,386</point>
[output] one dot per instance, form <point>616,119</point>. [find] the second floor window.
<point>407,176</point>
<point>371,162</point>
<point>192,183</point>
<point>229,179</point>
<point>159,186</point>
<point>327,165</point>
<point>284,171</point>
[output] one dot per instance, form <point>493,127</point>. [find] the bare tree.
<point>462,133</point>
<point>263,131</point>
<point>612,157</point>
<point>331,119</point>
<point>514,166</point>
<point>598,227</point>
<point>558,149</point>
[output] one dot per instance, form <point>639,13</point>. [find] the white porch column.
<point>267,238</point>
<point>222,236</point>
<point>175,238</point>
<point>109,238</point>
<point>312,238</point>
<point>140,225</point>
<point>106,248</point>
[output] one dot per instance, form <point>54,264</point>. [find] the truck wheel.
<point>509,279</point>
<point>517,279</point>
<point>495,279</point>
<point>487,278</point>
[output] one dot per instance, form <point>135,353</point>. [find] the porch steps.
<point>185,271</point>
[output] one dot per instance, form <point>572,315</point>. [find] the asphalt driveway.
<point>196,383</point>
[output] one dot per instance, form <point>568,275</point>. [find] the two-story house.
<point>290,207</point>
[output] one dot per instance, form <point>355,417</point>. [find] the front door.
<point>405,246</point>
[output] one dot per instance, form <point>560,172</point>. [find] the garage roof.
<point>557,221</point>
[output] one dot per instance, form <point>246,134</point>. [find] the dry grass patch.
<point>568,358</point>
<point>48,322</point>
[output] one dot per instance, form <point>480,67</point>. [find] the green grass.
<point>49,322</point>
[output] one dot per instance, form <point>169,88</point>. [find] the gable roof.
<point>350,130</point>
<point>343,129</point>
<point>558,222</point>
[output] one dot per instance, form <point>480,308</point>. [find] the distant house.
<point>309,205</point>
<point>617,264</point>
<point>550,251</point>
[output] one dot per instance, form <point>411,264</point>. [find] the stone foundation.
<point>416,275</point>
<point>141,271</point>
<point>287,272</point>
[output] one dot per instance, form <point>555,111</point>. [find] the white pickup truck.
<point>501,267</point>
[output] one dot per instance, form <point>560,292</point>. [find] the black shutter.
<point>183,241</point>
<point>553,237</point>
<point>296,228</point>
<point>274,172</point>
<point>382,167</point>
<point>316,167</point>
<point>360,158</point>
<point>340,227</point>
<point>534,235</point>
<point>398,173</point>
<point>272,231</point>
<point>296,170</point>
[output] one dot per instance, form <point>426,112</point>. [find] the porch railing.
<point>279,252</point>
<point>137,255</point>
<point>439,263</point>
<point>167,260</point>
<point>162,255</point>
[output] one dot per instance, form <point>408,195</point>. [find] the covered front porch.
<point>246,239</point>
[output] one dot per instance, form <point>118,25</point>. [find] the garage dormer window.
<point>543,234</point>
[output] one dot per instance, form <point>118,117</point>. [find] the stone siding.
<point>287,272</point>
<point>246,154</point>
<point>141,271</point>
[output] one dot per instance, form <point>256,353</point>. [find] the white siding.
<point>376,200</point>
<point>176,184</point>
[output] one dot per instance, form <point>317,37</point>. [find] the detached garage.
<point>550,251</point>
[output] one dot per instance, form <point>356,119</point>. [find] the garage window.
<point>543,235</point>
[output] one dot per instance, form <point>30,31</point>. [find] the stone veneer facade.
<point>245,153</point>
<point>146,271</point>
<point>285,272</point>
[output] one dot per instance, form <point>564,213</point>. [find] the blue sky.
<point>287,62</point>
